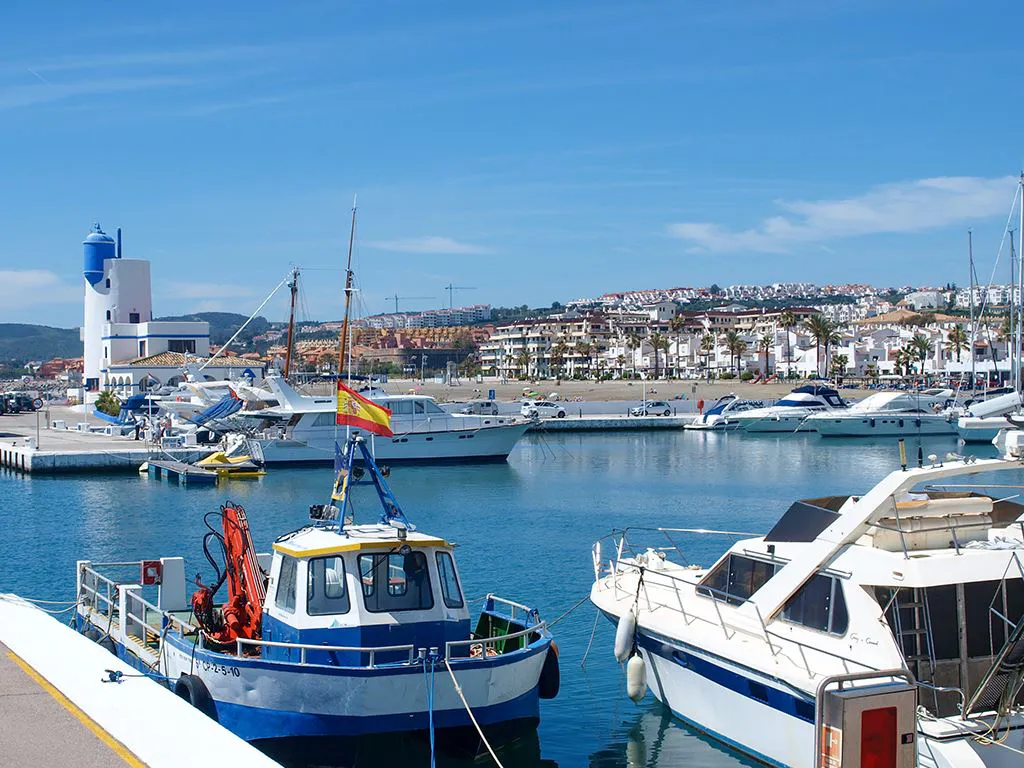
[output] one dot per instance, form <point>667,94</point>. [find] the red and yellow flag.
<point>354,410</point>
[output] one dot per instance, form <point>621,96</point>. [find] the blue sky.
<point>536,151</point>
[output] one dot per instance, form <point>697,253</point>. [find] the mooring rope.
<point>458,690</point>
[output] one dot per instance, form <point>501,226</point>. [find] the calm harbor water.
<point>524,531</point>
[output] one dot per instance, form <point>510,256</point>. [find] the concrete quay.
<point>605,422</point>
<point>28,445</point>
<point>55,710</point>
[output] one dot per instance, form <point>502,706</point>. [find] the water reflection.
<point>654,738</point>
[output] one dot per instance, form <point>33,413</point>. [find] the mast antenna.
<point>343,346</point>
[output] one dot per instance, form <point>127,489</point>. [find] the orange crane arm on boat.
<point>246,583</point>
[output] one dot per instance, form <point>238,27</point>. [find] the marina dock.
<point>180,472</point>
<point>27,445</point>
<point>55,709</point>
<point>594,422</point>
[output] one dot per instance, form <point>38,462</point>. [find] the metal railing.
<point>90,594</point>
<point>372,652</point>
<point>513,606</point>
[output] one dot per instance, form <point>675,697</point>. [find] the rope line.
<point>458,690</point>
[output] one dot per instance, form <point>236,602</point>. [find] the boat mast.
<point>1011,340</point>
<point>974,328</point>
<point>342,347</point>
<point>294,286</point>
<point>1020,283</point>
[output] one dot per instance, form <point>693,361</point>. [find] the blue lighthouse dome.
<point>98,247</point>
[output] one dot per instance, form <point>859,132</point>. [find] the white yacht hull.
<point>485,444</point>
<point>894,425</point>
<point>776,423</point>
<point>977,430</point>
<point>708,693</point>
<point>713,424</point>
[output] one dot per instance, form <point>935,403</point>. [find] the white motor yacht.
<point>885,629</point>
<point>790,413</point>
<point>720,416</point>
<point>890,414</point>
<point>301,429</point>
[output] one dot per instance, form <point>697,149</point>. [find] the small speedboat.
<point>345,629</point>
<point>719,417</point>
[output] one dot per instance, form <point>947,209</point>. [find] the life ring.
<point>193,690</point>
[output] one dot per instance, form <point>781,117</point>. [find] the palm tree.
<point>558,357</point>
<point>839,366</point>
<point>108,403</point>
<point>676,326</point>
<point>633,343</point>
<point>764,344</point>
<point>658,342</point>
<point>956,340</point>
<point>523,362</point>
<point>621,361</point>
<point>736,347</point>
<point>787,320</point>
<point>583,349</point>
<point>707,347</point>
<point>902,359</point>
<point>821,330</point>
<point>921,346</point>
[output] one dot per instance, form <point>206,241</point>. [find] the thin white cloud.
<point>902,207</point>
<point>428,244</point>
<point>25,288</point>
<point>16,96</point>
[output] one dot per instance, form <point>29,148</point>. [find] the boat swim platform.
<point>608,422</point>
<point>56,711</point>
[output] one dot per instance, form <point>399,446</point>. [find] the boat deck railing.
<point>371,652</point>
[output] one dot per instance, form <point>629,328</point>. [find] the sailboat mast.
<point>294,286</point>
<point>342,347</point>
<point>1019,352</point>
<point>974,330</point>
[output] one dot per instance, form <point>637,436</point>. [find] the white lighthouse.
<point>125,350</point>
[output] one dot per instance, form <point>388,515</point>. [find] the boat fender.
<point>636,678</point>
<point>624,633</point>
<point>193,690</point>
<point>550,679</point>
<point>143,467</point>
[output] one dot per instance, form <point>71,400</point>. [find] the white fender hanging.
<point>624,636</point>
<point>636,678</point>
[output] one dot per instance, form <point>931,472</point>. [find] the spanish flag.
<point>354,410</point>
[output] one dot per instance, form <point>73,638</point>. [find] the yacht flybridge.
<point>346,629</point>
<point>885,629</point>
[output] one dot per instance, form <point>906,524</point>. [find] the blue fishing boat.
<point>345,629</point>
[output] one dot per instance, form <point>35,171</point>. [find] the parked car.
<point>542,409</point>
<point>480,408</point>
<point>652,408</point>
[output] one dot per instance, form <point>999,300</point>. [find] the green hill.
<point>20,342</point>
<point>224,324</point>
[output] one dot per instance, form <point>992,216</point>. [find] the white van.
<point>480,408</point>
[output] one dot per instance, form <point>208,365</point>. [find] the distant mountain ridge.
<point>21,342</point>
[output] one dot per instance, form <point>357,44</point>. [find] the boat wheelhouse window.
<point>400,407</point>
<point>417,406</point>
<point>326,593</point>
<point>819,604</point>
<point>450,591</point>
<point>986,632</point>
<point>431,407</point>
<point>395,582</point>
<point>286,577</point>
<point>736,578</point>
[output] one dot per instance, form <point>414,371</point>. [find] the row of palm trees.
<point>825,333</point>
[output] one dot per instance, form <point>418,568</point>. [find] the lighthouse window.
<point>395,582</point>
<point>449,580</point>
<point>326,592</point>
<point>285,595</point>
